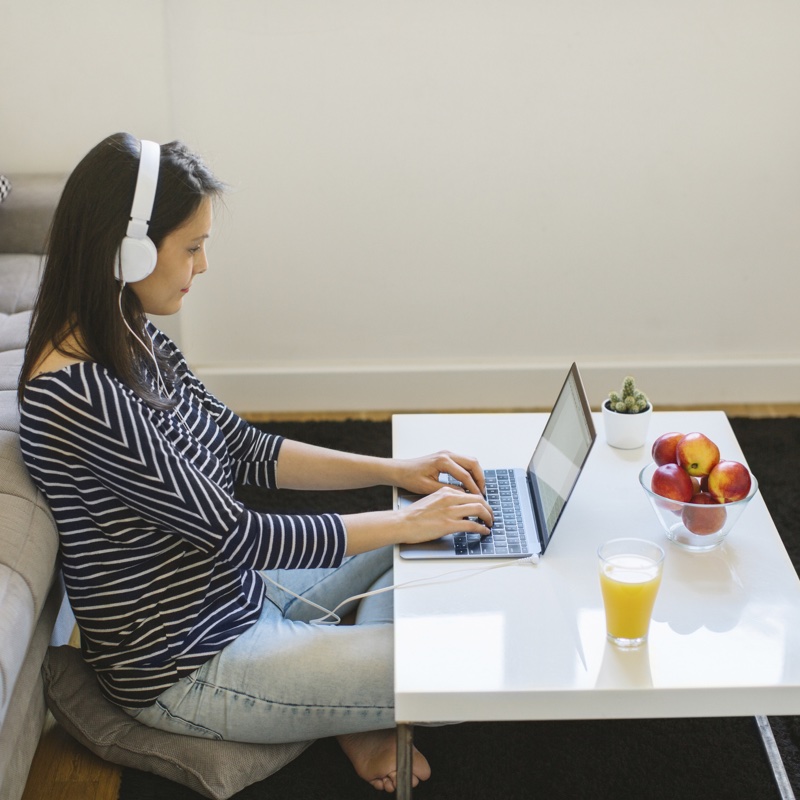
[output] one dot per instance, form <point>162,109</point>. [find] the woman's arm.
<point>449,510</point>
<point>446,509</point>
<point>305,466</point>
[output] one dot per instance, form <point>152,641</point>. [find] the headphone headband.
<point>137,254</point>
<point>144,196</point>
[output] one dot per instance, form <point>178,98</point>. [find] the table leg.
<point>405,743</point>
<point>775,760</point>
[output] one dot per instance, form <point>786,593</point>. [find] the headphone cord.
<point>332,618</point>
<point>161,385</point>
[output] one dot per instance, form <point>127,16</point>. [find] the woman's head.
<point>80,294</point>
<point>92,217</point>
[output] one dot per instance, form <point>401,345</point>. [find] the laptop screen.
<point>561,453</point>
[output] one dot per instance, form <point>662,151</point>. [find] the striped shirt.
<point>159,559</point>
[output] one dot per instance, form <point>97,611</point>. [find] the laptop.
<point>527,502</point>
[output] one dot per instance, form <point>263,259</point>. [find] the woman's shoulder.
<point>79,403</point>
<point>66,353</point>
<point>54,362</point>
<point>72,381</point>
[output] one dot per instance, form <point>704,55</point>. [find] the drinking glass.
<point>630,574</point>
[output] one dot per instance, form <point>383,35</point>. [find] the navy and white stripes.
<point>159,559</point>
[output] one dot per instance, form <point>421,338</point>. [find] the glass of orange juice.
<point>630,574</point>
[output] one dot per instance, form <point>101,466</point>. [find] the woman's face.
<point>182,255</point>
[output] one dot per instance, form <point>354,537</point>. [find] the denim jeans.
<point>286,680</point>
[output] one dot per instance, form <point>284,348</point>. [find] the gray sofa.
<point>34,611</point>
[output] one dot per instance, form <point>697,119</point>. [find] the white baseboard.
<point>434,388</point>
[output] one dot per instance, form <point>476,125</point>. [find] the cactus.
<point>630,401</point>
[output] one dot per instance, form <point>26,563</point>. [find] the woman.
<point>188,603</point>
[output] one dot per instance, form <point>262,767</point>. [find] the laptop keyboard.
<point>507,535</point>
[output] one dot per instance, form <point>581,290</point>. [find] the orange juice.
<point>629,583</point>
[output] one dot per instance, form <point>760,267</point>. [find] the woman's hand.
<point>448,510</point>
<point>421,475</point>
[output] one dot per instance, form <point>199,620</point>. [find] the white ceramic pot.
<point>626,431</point>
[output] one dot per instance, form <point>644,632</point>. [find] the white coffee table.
<point>528,642</point>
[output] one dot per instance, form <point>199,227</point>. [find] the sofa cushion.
<point>28,538</point>
<point>28,551</point>
<point>19,282</point>
<point>9,414</point>
<point>14,334</point>
<point>5,187</point>
<point>27,211</point>
<point>215,769</point>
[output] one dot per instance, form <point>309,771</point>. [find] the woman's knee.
<point>378,607</point>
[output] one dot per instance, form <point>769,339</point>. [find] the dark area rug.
<point>721,759</point>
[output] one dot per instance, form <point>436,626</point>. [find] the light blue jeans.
<point>286,680</point>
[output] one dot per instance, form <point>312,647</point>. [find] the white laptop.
<point>527,502</point>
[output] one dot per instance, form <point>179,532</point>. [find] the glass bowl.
<point>693,526</point>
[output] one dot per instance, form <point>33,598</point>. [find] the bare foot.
<point>374,756</point>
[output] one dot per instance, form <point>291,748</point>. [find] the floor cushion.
<point>215,769</point>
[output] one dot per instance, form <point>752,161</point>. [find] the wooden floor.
<point>64,770</point>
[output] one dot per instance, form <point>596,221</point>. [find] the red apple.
<point>700,519</point>
<point>697,486</point>
<point>672,482</point>
<point>697,454</point>
<point>663,451</point>
<point>729,481</point>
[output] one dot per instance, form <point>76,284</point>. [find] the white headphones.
<point>137,255</point>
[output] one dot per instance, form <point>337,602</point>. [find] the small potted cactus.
<point>626,416</point>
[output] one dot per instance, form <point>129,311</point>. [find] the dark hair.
<point>79,293</point>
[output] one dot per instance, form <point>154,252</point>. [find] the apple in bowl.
<point>673,482</point>
<point>729,481</point>
<point>697,454</point>
<point>700,519</point>
<point>664,448</point>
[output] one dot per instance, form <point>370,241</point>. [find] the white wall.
<point>75,72</point>
<point>614,183</point>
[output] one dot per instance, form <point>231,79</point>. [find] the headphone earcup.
<point>136,259</point>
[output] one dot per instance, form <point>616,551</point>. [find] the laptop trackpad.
<point>443,546</point>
